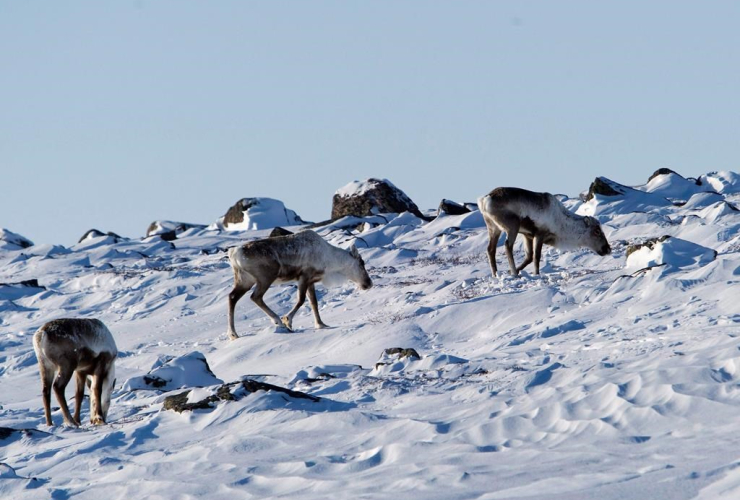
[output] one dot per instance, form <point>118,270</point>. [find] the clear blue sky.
<point>114,114</point>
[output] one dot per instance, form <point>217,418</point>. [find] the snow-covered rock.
<point>606,197</point>
<point>672,186</point>
<point>249,214</point>
<point>672,252</point>
<point>723,182</point>
<point>189,370</point>
<point>450,207</point>
<point>13,241</point>
<point>370,197</point>
<point>169,230</point>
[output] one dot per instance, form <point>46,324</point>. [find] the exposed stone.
<point>402,352</point>
<point>371,197</point>
<point>258,213</point>
<point>12,239</point>
<point>94,233</point>
<point>278,231</point>
<point>395,354</point>
<point>603,187</point>
<point>7,432</point>
<point>179,402</point>
<point>169,230</point>
<point>452,208</point>
<point>251,385</point>
<point>663,171</point>
<point>32,283</point>
<point>650,243</point>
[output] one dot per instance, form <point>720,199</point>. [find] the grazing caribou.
<point>303,257</point>
<point>85,348</point>
<point>541,218</point>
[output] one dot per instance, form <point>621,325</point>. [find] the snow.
<point>723,182</point>
<point>600,378</point>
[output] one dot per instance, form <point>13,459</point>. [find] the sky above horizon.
<point>115,114</point>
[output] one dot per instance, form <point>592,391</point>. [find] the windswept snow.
<point>604,377</point>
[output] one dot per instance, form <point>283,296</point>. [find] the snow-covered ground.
<point>600,378</point>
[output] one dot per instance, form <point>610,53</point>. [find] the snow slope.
<point>600,378</point>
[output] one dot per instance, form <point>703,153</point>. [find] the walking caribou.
<point>85,348</point>
<point>303,257</point>
<point>540,218</point>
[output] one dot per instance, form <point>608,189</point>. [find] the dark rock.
<point>452,208</point>
<point>604,187</point>
<point>278,231</point>
<point>235,214</point>
<point>32,283</point>
<point>371,197</point>
<point>395,354</point>
<point>94,233</point>
<point>663,171</point>
<point>647,243</point>
<point>401,352</point>
<point>14,239</point>
<point>169,230</point>
<point>251,386</point>
<point>154,381</point>
<point>179,402</point>
<point>7,432</point>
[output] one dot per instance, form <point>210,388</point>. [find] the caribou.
<point>540,218</point>
<point>85,348</point>
<point>303,257</point>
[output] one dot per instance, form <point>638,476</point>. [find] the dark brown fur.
<point>61,355</point>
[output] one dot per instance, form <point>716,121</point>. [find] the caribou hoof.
<point>287,322</point>
<point>97,421</point>
<point>321,326</point>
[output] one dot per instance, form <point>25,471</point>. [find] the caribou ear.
<point>353,251</point>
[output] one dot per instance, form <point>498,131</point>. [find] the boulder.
<point>182,401</point>
<point>395,354</point>
<point>169,230</point>
<point>371,197</point>
<point>94,233</point>
<point>723,182</point>
<point>663,171</point>
<point>189,370</point>
<point>672,252</point>
<point>13,241</point>
<point>279,231</point>
<point>604,187</point>
<point>249,214</point>
<point>450,207</point>
<point>606,197</point>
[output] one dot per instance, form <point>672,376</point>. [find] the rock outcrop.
<point>181,402</point>
<point>249,214</point>
<point>94,233</point>
<point>371,197</point>
<point>450,207</point>
<point>169,230</point>
<point>13,241</point>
